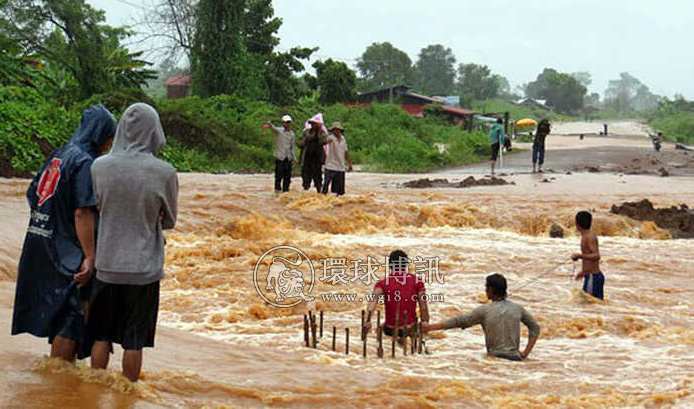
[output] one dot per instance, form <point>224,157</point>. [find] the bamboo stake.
<point>334,337</point>
<point>346,341</point>
<point>321,324</point>
<point>404,338</point>
<point>380,334</point>
<point>364,352</point>
<point>396,333</point>
<point>313,332</point>
<point>380,342</point>
<point>362,325</point>
<point>306,330</point>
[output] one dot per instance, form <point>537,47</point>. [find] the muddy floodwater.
<point>220,344</point>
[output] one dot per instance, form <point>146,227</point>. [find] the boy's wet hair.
<point>398,260</point>
<point>584,219</point>
<point>497,284</point>
<point>499,121</point>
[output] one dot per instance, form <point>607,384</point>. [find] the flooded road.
<point>221,345</point>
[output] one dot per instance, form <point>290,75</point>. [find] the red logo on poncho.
<point>49,181</point>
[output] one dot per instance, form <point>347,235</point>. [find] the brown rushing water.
<point>220,345</point>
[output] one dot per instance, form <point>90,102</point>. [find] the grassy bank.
<point>223,134</point>
<point>676,120</point>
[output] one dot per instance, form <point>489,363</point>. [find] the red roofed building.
<point>411,102</point>
<point>178,86</point>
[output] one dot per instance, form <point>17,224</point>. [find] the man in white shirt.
<point>337,161</point>
<point>284,153</point>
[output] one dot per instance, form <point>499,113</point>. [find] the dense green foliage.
<point>69,36</point>
<point>223,133</point>
<point>562,91</point>
<point>233,52</point>
<point>476,82</point>
<point>335,81</point>
<point>382,66</point>
<point>30,128</point>
<point>675,119</point>
<point>436,70</point>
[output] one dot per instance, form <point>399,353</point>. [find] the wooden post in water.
<point>404,338</point>
<point>420,341</point>
<point>321,324</point>
<point>362,325</point>
<point>396,333</point>
<point>380,342</point>
<point>313,331</point>
<point>334,337</point>
<point>346,341</point>
<point>306,330</point>
<point>364,351</point>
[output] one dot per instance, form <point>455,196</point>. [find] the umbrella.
<point>526,122</point>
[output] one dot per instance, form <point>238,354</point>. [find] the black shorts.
<point>495,151</point>
<point>124,314</point>
<point>402,332</point>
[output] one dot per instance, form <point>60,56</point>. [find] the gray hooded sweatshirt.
<point>137,196</point>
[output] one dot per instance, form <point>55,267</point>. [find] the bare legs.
<point>493,165</point>
<point>132,363</point>
<point>63,348</point>
<point>132,360</point>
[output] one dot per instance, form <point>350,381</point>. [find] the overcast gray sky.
<point>515,38</point>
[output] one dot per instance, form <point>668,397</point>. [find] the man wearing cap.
<point>337,161</point>
<point>284,153</point>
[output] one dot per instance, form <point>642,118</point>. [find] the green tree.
<point>70,34</point>
<point>221,62</point>
<point>583,77</point>
<point>336,81</point>
<point>478,82</point>
<point>436,70</point>
<point>562,91</point>
<point>382,65</point>
<point>629,94</point>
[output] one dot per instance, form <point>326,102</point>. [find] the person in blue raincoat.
<point>57,258</point>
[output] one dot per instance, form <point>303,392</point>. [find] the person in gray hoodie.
<point>137,198</point>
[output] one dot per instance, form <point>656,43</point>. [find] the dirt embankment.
<point>468,182</point>
<point>678,220</point>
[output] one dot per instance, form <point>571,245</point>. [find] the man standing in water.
<point>138,198</point>
<point>500,321</point>
<point>543,130</point>
<point>593,279</point>
<point>496,138</point>
<point>58,255</point>
<point>284,153</point>
<point>337,162</point>
<point>312,153</point>
<point>402,293</point>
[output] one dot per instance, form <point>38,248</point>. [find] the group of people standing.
<point>498,139</point>
<point>320,152</point>
<point>93,254</point>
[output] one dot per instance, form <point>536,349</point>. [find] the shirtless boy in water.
<point>593,279</point>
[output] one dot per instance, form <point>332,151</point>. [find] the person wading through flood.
<point>312,153</point>
<point>284,153</point>
<point>500,321</point>
<point>543,129</point>
<point>337,162</point>
<point>58,255</point>
<point>496,139</point>
<point>138,198</point>
<point>402,292</point>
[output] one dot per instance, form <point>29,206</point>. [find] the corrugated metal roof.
<point>178,80</point>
